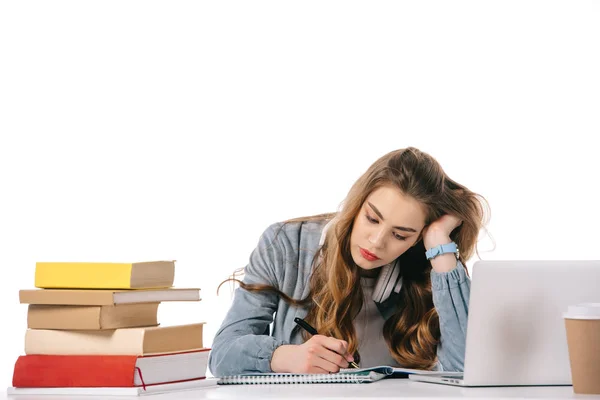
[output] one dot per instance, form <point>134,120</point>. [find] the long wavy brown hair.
<point>336,296</point>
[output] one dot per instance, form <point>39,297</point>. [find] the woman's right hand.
<point>318,355</point>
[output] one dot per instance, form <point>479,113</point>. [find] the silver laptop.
<point>515,332</point>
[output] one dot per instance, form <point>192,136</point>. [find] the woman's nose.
<point>376,238</point>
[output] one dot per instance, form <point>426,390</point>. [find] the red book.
<point>108,370</point>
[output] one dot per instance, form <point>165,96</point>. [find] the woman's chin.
<point>365,265</point>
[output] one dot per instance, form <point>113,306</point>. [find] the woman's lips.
<point>367,255</point>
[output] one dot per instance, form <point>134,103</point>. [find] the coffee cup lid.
<point>583,311</point>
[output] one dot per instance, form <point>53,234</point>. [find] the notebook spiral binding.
<point>285,378</point>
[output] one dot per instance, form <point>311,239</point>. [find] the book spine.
<point>67,297</point>
<point>63,317</point>
<point>74,371</point>
<point>128,341</point>
<point>42,316</point>
<point>50,275</point>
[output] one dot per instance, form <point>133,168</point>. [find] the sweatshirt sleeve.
<point>243,344</point>
<point>451,299</point>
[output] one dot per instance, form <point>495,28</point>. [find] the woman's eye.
<point>374,221</point>
<point>371,220</point>
<point>399,237</point>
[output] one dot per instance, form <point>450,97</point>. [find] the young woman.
<point>383,280</point>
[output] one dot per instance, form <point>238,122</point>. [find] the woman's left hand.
<point>438,232</point>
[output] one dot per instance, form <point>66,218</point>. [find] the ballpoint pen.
<point>306,326</point>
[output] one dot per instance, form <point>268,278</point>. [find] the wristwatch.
<point>442,249</point>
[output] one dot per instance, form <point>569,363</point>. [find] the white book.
<point>115,391</point>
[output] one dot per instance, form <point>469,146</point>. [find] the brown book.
<point>41,316</point>
<point>124,341</point>
<point>102,297</point>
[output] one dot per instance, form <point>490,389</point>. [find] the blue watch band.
<point>441,249</point>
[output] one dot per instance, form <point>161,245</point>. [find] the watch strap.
<point>441,249</point>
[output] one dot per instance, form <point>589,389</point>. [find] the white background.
<point>144,130</point>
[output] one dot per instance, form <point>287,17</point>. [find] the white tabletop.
<point>389,388</point>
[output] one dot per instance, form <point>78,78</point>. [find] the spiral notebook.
<point>362,375</point>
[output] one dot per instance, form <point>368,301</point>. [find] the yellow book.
<point>101,275</point>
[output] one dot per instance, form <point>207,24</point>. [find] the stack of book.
<point>92,328</point>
